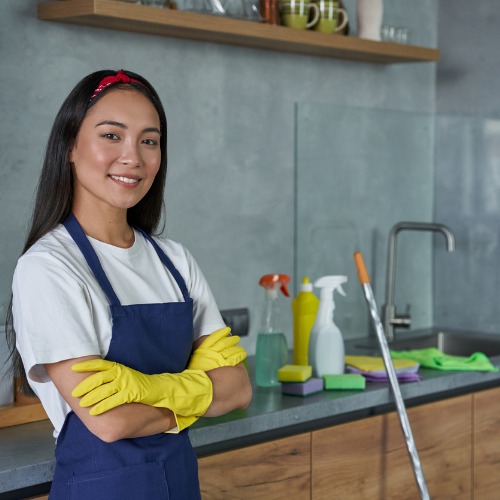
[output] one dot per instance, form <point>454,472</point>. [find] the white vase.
<point>369,17</point>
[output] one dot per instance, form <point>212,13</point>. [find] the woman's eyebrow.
<point>111,122</point>
<point>152,129</point>
<point>123,126</point>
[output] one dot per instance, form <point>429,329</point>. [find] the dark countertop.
<point>27,451</point>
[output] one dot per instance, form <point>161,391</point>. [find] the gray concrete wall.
<point>230,190</point>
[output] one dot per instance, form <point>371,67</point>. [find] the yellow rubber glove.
<point>188,393</point>
<point>218,349</point>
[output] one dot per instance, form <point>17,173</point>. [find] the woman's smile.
<point>129,181</point>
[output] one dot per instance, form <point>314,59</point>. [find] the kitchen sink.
<point>454,343</point>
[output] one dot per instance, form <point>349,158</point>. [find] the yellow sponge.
<point>294,373</point>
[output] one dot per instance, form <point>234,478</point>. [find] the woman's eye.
<point>111,136</point>
<point>150,142</point>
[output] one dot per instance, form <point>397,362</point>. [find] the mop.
<point>391,372</point>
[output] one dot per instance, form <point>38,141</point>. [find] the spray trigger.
<point>275,281</point>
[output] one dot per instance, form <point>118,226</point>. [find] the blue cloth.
<point>151,338</point>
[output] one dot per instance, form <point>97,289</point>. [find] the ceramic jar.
<point>369,17</point>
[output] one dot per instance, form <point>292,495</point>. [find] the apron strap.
<point>75,230</point>
<point>169,265</point>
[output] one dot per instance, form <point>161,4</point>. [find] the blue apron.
<point>151,338</point>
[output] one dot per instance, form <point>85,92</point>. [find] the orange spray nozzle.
<point>275,281</point>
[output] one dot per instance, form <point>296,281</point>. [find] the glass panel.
<point>468,183</point>
<point>358,172</point>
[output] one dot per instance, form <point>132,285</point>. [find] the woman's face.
<point>116,155</point>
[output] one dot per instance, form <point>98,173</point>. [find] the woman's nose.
<point>130,154</point>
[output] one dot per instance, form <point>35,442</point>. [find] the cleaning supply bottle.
<point>304,308</point>
<point>326,345</point>
<point>272,350</point>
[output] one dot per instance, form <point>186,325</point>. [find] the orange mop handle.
<point>363,276</point>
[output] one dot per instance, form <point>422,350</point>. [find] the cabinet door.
<point>487,444</point>
<point>279,469</point>
<point>368,459</point>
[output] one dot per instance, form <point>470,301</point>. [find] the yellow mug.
<point>295,14</point>
<point>329,17</point>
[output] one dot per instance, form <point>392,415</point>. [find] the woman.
<point>113,325</point>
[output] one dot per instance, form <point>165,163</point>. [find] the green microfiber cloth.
<point>434,358</point>
<point>347,382</point>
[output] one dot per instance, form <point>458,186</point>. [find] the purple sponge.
<point>311,386</point>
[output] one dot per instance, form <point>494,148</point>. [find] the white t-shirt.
<point>60,311</point>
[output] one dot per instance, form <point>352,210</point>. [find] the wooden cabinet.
<point>487,444</point>
<point>365,459</point>
<point>279,469</point>
<point>368,459</point>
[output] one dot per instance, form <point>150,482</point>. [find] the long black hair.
<point>54,193</point>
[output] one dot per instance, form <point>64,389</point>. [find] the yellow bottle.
<point>304,308</point>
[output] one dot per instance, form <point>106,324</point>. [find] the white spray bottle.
<point>326,345</point>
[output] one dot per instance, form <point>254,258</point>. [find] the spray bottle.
<point>326,345</point>
<point>304,308</point>
<point>272,350</point>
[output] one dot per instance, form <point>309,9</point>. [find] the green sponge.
<point>348,382</point>
<point>294,373</point>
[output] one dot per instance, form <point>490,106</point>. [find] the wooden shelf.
<point>118,15</point>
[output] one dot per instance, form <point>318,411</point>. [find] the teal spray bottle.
<point>272,350</point>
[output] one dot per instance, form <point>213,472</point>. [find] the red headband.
<point>109,80</point>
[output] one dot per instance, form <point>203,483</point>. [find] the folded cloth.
<point>376,364</point>
<point>373,368</point>
<point>434,358</point>
<point>382,377</point>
